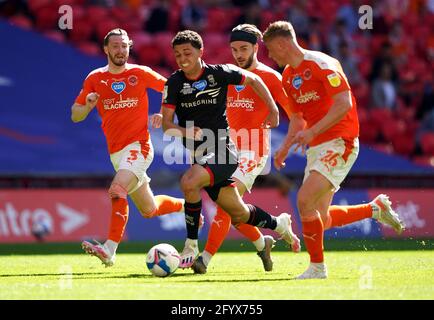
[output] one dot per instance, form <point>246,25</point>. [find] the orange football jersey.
<point>123,102</point>
<point>246,110</point>
<point>310,89</point>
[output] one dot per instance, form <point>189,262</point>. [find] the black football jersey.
<point>202,100</point>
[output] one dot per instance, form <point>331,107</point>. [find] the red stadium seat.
<point>47,18</point>
<point>149,55</point>
<point>55,35</point>
<point>104,27</point>
<point>90,48</point>
<point>384,147</point>
<point>163,41</point>
<point>35,5</point>
<point>424,160</point>
<point>404,144</point>
<point>140,38</point>
<point>427,143</point>
<point>391,128</point>
<point>380,115</point>
<point>21,21</point>
<point>368,132</point>
<point>98,15</point>
<point>81,31</point>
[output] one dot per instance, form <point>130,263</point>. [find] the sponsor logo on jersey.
<point>105,82</point>
<point>297,82</point>
<point>334,80</point>
<point>247,104</point>
<point>211,92</point>
<point>186,89</point>
<point>307,97</point>
<point>200,85</point>
<point>239,88</point>
<point>307,74</point>
<point>132,80</point>
<point>110,104</point>
<point>118,87</point>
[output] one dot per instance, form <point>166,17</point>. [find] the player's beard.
<point>118,63</point>
<point>248,62</point>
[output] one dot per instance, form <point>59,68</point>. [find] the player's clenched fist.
<point>92,99</point>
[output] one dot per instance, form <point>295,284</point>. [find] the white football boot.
<point>284,228</point>
<point>100,251</point>
<point>314,271</point>
<point>384,213</point>
<point>189,253</point>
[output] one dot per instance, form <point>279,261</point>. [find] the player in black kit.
<point>196,93</point>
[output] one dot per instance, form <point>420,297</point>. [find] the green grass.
<point>232,275</point>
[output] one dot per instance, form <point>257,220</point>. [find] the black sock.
<point>192,216</point>
<point>260,218</point>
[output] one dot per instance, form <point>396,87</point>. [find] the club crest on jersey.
<point>211,80</point>
<point>200,85</point>
<point>297,82</point>
<point>118,87</point>
<point>239,87</point>
<point>307,74</point>
<point>132,80</point>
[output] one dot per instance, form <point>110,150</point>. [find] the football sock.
<point>192,217</point>
<point>260,243</point>
<point>166,204</point>
<point>218,230</point>
<point>206,257</point>
<point>313,233</point>
<point>111,246</point>
<point>253,234</point>
<point>260,218</point>
<point>342,215</point>
<point>119,219</point>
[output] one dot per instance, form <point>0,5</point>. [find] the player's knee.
<point>148,212</point>
<point>117,191</point>
<point>304,201</point>
<point>189,185</point>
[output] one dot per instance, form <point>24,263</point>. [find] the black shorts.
<point>220,166</point>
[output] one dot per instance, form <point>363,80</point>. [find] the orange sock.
<point>166,204</point>
<point>343,215</point>
<point>313,234</point>
<point>250,232</point>
<point>218,230</point>
<point>119,219</point>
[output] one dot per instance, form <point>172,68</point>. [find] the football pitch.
<point>360,274</point>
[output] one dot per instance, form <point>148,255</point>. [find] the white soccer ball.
<point>163,260</point>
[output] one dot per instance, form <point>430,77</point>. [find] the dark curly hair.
<point>188,36</point>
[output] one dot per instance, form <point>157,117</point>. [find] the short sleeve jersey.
<point>202,100</point>
<point>246,110</point>
<point>123,102</point>
<point>310,88</point>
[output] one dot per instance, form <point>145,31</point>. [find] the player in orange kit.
<point>118,91</point>
<point>246,113</point>
<point>324,117</point>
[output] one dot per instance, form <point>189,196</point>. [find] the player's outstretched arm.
<point>79,112</point>
<point>262,91</point>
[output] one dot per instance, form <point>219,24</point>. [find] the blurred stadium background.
<point>57,171</point>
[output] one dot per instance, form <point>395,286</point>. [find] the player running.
<point>118,91</point>
<point>246,113</point>
<point>324,116</point>
<point>196,93</point>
